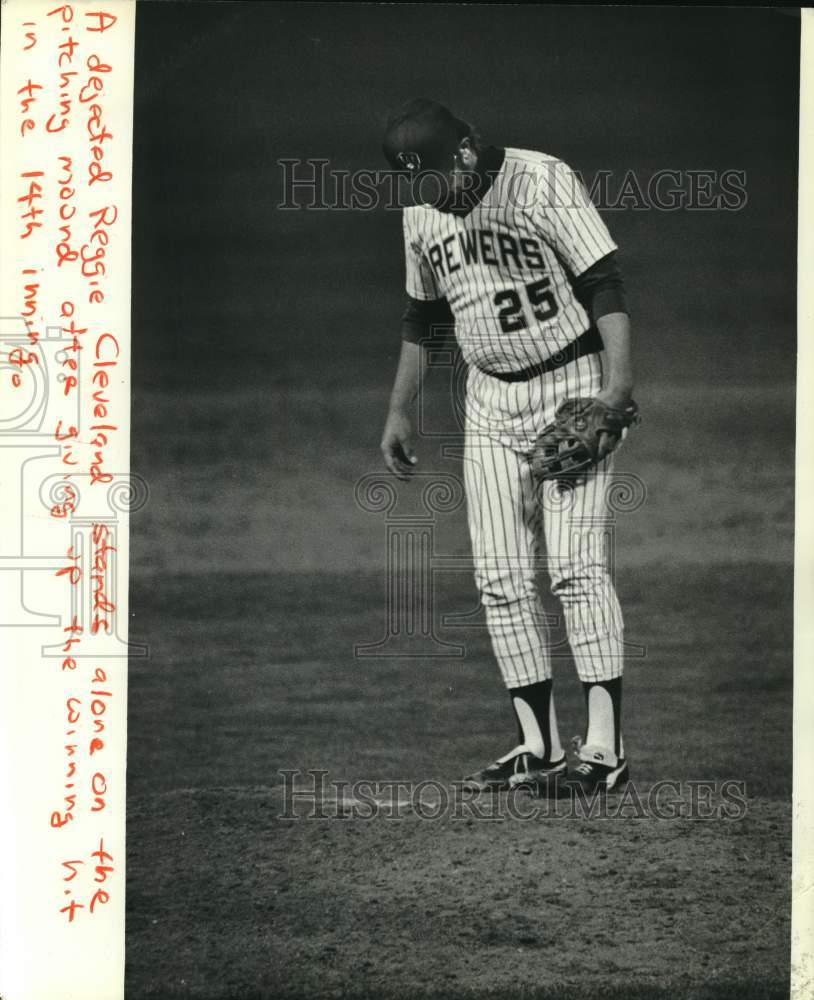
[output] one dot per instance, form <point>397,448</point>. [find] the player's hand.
<point>619,399</point>
<point>397,445</point>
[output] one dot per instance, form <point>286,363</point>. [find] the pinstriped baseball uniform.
<point>505,269</point>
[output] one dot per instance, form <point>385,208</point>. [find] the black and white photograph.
<point>463,392</point>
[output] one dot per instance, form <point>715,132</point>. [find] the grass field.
<point>255,574</point>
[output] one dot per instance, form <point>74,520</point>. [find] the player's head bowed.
<point>436,150</point>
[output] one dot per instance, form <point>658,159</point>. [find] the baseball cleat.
<point>520,770</point>
<point>598,770</point>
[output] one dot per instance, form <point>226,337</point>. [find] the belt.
<point>589,342</point>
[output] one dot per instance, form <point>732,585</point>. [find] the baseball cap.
<point>423,135</point>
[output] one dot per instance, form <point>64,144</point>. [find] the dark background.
<point>226,89</point>
<point>264,345</point>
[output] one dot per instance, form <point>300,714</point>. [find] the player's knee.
<point>576,582</point>
<point>503,591</point>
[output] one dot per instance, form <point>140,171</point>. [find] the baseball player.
<point>505,244</point>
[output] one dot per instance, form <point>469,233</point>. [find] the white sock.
<point>556,746</point>
<point>601,728</point>
<point>533,738</point>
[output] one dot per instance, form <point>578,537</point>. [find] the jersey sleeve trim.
<point>601,290</point>
<point>425,320</point>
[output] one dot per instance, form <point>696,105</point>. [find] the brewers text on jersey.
<point>516,257</point>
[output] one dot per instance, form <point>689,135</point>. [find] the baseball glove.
<point>570,446</point>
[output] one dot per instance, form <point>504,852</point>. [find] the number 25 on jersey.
<point>510,305</point>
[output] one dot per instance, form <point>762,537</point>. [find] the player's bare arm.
<point>422,321</point>
<point>616,336</point>
<point>397,439</point>
<point>617,390</point>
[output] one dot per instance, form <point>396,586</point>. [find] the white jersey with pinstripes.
<point>505,267</point>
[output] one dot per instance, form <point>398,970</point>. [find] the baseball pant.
<point>509,515</point>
